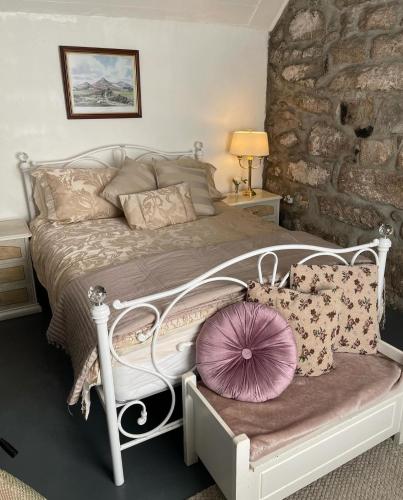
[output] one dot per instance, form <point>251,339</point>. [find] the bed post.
<point>188,419</point>
<point>100,314</point>
<point>384,244</point>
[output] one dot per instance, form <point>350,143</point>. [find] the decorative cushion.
<point>72,194</point>
<point>246,352</point>
<point>313,319</point>
<point>358,329</point>
<point>133,177</point>
<point>169,173</point>
<point>158,208</point>
<point>40,192</point>
<point>207,167</point>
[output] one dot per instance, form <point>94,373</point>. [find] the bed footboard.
<point>204,430</point>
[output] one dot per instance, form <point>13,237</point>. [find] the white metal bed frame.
<point>101,312</point>
<point>96,158</point>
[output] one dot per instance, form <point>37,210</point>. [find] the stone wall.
<point>335,121</point>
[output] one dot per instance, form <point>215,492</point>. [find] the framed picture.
<point>101,83</point>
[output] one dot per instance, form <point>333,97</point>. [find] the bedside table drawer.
<point>12,273</point>
<point>12,250</point>
<point>264,211</point>
<point>15,297</point>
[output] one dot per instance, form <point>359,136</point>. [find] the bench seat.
<point>309,402</point>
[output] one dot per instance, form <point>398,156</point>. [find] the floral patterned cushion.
<point>312,318</point>
<point>158,208</point>
<point>358,328</point>
<point>72,194</point>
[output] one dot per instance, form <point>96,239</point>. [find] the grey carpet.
<point>375,475</point>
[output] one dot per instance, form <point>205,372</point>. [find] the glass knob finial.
<point>385,230</point>
<point>97,295</point>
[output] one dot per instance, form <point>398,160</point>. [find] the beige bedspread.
<point>61,253</point>
<point>132,264</point>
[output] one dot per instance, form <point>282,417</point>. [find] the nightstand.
<point>17,289</point>
<point>264,204</point>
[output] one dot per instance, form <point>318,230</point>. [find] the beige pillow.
<point>158,208</point>
<point>72,194</point>
<point>133,177</point>
<point>207,167</point>
<point>170,173</point>
<point>313,319</point>
<point>358,330</point>
<point>41,192</point>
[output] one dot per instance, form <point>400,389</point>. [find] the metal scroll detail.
<point>96,296</point>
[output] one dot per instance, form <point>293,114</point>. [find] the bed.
<point>127,313</point>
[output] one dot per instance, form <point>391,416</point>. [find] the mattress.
<point>175,354</point>
<point>309,402</point>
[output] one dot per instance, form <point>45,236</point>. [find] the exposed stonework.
<point>352,50</point>
<point>283,121</point>
<point>335,121</point>
<point>288,139</point>
<point>399,162</point>
<point>375,78</point>
<point>346,3</point>
<point>388,46</point>
<point>334,237</point>
<point>359,113</point>
<point>365,217</point>
<point>372,184</point>
<point>394,276</point>
<point>389,118</point>
<point>327,141</point>
<point>381,17</point>
<point>313,104</point>
<point>375,153</point>
<point>308,173</point>
<point>306,25</point>
<point>297,72</point>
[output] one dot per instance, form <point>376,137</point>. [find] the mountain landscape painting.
<point>101,83</point>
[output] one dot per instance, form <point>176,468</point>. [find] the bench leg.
<point>188,420</point>
<point>398,438</point>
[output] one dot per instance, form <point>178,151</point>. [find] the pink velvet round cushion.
<point>247,352</point>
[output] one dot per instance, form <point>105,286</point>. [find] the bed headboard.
<point>104,156</point>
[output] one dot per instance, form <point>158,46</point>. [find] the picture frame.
<point>101,82</point>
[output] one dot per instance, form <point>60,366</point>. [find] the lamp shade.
<point>249,143</point>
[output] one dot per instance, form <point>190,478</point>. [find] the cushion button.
<point>246,353</point>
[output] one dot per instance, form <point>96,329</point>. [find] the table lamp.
<point>249,144</point>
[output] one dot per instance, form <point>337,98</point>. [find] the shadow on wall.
<point>335,119</point>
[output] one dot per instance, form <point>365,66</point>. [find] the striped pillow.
<point>170,173</point>
<point>210,171</point>
<point>133,177</point>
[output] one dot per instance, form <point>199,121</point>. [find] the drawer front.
<point>12,249</point>
<point>14,297</point>
<point>270,218</point>
<point>330,451</point>
<point>261,210</point>
<point>12,274</point>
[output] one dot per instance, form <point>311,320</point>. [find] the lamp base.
<point>249,192</point>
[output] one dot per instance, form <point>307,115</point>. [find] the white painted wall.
<point>198,82</point>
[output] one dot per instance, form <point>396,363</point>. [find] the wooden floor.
<point>63,456</point>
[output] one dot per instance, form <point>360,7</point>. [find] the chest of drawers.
<point>17,289</point>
